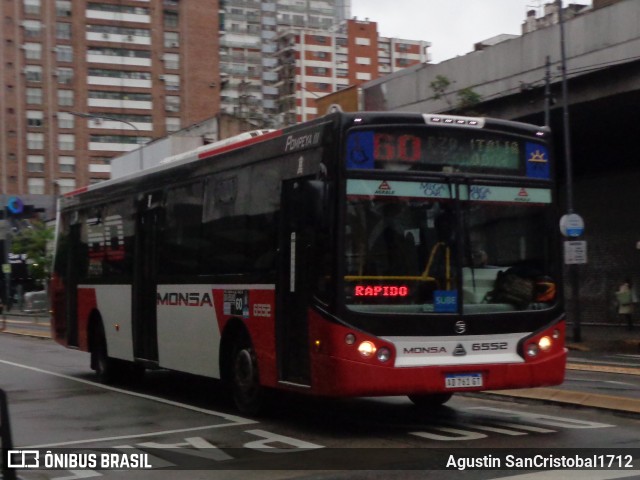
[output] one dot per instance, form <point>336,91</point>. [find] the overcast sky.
<point>452,26</point>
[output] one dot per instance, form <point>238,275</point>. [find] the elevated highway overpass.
<point>603,66</point>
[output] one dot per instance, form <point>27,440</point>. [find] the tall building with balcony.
<point>248,47</point>
<point>85,80</point>
<point>312,63</point>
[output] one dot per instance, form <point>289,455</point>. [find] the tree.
<point>467,98</point>
<point>33,241</point>
<point>440,86</point>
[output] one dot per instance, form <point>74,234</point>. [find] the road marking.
<point>127,437</point>
<point>603,367</point>
<point>573,475</point>
<point>234,419</point>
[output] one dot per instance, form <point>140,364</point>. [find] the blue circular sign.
<point>572,225</point>
<point>15,205</point>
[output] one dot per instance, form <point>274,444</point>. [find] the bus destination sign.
<point>414,149</point>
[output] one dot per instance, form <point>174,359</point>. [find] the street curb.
<point>26,333</point>
<point>564,397</point>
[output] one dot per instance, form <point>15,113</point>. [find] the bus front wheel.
<point>248,395</point>
<point>104,366</point>
<point>430,400</point>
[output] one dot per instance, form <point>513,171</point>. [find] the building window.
<point>32,51</point>
<point>36,186</point>
<point>65,75</point>
<point>67,165</point>
<point>32,28</point>
<point>171,40</point>
<point>34,118</point>
<point>172,82</point>
<point>35,141</point>
<point>33,73</point>
<point>171,61</point>
<point>64,53</point>
<point>65,120</point>
<point>363,41</point>
<point>63,8</point>
<point>63,31</point>
<point>34,96</point>
<point>35,163</point>
<point>65,98</point>
<point>170,19</point>
<point>172,103</point>
<point>66,185</point>
<point>173,124</point>
<point>140,97</point>
<point>32,7</point>
<point>66,141</point>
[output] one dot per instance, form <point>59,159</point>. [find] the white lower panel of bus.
<point>416,352</point>
<point>188,333</point>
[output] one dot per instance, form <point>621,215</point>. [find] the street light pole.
<point>107,117</point>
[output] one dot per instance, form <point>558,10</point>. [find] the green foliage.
<point>34,241</point>
<point>467,98</point>
<point>439,87</point>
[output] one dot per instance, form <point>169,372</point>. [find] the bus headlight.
<point>367,349</point>
<point>532,350</point>
<point>545,343</point>
<point>384,354</point>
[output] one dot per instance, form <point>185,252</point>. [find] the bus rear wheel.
<point>248,395</point>
<point>430,400</point>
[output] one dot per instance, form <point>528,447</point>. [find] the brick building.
<point>138,69</point>
<point>314,63</point>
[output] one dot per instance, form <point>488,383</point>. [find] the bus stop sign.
<point>572,225</point>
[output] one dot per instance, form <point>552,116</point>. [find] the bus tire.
<point>430,400</point>
<point>104,366</point>
<point>246,391</point>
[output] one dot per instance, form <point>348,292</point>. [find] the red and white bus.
<point>359,254</point>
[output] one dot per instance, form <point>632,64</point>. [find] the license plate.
<point>463,380</point>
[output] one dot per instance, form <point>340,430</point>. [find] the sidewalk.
<point>29,324</point>
<point>605,339</point>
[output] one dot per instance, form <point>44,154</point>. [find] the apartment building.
<point>85,80</point>
<point>248,47</point>
<point>312,63</point>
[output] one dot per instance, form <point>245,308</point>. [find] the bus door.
<point>148,231</point>
<point>295,283</point>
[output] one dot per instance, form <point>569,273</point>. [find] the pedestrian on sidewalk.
<point>626,299</point>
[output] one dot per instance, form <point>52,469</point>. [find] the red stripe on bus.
<point>243,143</point>
<point>76,192</point>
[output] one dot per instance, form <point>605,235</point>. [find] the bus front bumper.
<point>339,377</point>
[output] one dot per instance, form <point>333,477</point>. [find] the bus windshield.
<point>455,249</point>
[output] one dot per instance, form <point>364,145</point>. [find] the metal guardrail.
<point>6,443</point>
